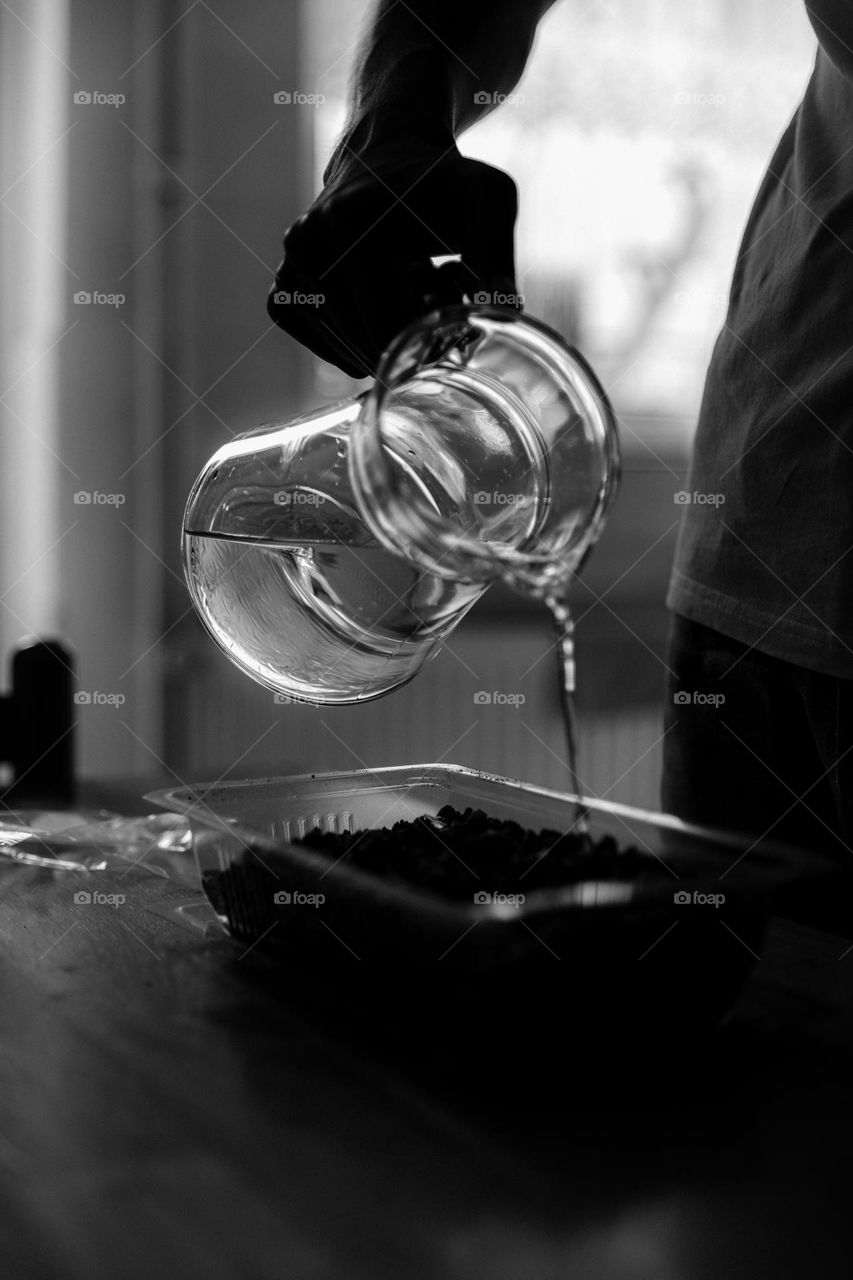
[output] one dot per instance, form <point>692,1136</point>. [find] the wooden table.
<point>168,1109</point>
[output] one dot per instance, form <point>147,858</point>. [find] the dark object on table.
<point>451,853</point>
<point>666,951</point>
<point>36,724</point>
<point>464,967</point>
<point>466,989</point>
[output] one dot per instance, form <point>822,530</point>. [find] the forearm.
<point>425,64</point>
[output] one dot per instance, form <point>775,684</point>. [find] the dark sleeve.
<point>833,24</point>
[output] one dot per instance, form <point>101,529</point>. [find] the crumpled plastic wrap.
<point>99,841</point>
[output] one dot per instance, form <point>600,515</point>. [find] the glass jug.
<point>328,556</point>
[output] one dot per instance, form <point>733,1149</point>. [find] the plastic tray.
<point>711,896</point>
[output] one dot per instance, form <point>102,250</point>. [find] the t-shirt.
<point>765,550</point>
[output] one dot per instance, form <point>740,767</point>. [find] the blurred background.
<point>146,177</point>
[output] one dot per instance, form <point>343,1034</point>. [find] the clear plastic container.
<point>675,945</point>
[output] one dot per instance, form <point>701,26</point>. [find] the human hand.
<point>356,267</point>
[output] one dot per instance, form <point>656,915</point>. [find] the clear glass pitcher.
<point>328,556</point>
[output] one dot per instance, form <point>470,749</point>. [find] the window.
<point>33,184</point>
<point>637,136</point>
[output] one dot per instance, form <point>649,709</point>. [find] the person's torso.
<point>766,547</point>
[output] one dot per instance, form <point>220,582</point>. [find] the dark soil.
<point>463,853</point>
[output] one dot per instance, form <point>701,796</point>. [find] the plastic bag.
<point>99,841</point>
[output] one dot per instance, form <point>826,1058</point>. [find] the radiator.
<point>489,700</point>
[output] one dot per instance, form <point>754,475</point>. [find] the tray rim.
<point>167,797</point>
<point>792,863</point>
